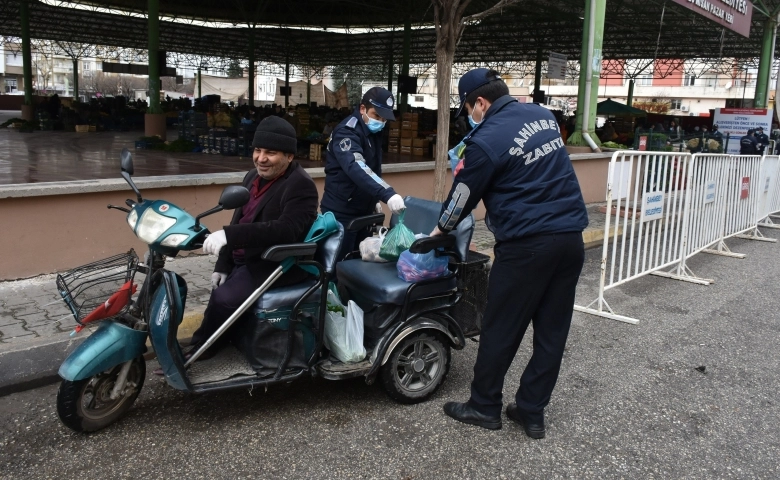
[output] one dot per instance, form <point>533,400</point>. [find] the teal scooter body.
<point>111,345</point>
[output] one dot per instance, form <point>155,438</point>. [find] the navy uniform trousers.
<point>533,279</point>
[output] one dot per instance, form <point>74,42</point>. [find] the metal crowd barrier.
<point>671,206</point>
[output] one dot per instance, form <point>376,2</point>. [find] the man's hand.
<point>396,204</point>
<point>215,242</point>
<point>378,208</point>
<point>436,232</point>
<point>217,279</point>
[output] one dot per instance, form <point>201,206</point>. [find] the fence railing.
<point>668,207</point>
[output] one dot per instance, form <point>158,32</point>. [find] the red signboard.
<point>743,194</point>
<point>643,142</point>
<point>732,14</point>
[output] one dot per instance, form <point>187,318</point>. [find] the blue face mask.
<point>472,122</point>
<point>374,126</point>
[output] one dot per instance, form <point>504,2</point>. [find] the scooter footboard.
<point>166,311</point>
<point>112,344</point>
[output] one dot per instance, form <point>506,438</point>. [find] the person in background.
<point>748,144</point>
<point>762,140</point>
<point>353,167</point>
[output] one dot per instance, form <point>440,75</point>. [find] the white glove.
<point>396,204</point>
<point>378,208</point>
<point>215,242</point>
<point>217,279</point>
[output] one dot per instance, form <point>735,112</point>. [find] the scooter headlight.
<point>152,225</point>
<point>132,218</point>
<point>174,240</point>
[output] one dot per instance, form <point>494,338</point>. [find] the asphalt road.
<point>630,403</point>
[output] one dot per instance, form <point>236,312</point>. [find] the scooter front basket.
<point>101,289</point>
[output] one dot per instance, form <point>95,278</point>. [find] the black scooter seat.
<point>379,282</point>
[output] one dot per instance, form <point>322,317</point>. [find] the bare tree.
<point>449,22</point>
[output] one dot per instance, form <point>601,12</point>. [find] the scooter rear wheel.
<point>86,405</point>
<point>416,368</point>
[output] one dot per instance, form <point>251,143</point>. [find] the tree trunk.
<point>443,83</point>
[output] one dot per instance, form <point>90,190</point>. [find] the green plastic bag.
<point>398,239</point>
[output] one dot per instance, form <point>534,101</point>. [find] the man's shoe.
<point>533,430</point>
<point>463,412</point>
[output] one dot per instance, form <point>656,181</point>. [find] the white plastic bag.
<point>344,334</point>
<point>369,247</point>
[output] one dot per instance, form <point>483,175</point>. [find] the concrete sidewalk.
<point>36,326</point>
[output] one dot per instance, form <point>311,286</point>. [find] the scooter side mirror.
<point>126,163</point>
<point>233,197</point>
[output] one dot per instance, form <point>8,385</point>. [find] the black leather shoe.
<point>533,430</point>
<point>462,412</point>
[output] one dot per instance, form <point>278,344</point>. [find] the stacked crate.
<point>315,152</point>
<point>395,135</point>
<point>420,147</point>
<point>302,111</point>
<point>192,126</point>
<point>409,131</point>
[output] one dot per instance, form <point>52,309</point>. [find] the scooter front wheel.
<point>416,368</point>
<point>86,405</point>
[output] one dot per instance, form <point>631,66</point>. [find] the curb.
<point>35,364</point>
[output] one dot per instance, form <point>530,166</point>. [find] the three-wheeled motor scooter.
<point>277,333</point>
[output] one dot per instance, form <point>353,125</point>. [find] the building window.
<point>86,66</point>
<point>676,103</point>
<point>645,80</point>
<point>10,85</point>
<point>419,98</point>
<point>689,80</point>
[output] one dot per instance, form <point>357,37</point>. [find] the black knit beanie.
<point>275,133</point>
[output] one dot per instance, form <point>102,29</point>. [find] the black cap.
<point>472,80</point>
<point>382,101</point>
<point>275,133</point>
<point>760,128</point>
<point>751,131</point>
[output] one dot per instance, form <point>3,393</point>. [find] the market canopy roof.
<point>633,29</point>
<point>611,108</point>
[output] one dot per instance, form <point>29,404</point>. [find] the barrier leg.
<point>768,223</point>
<point>723,249</point>
<point>684,274</point>
<point>755,234</point>
<point>608,313</point>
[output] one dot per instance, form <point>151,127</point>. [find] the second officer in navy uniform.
<point>516,163</point>
<point>353,166</point>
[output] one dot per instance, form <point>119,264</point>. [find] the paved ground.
<point>630,403</point>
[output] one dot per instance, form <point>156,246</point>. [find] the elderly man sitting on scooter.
<point>282,208</point>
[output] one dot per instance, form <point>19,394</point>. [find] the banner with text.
<point>737,121</point>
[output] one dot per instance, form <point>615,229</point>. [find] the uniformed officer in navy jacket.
<point>353,166</point>
<point>516,163</point>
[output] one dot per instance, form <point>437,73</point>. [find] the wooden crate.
<point>405,150</point>
<point>406,142</point>
<point>408,134</point>
<point>420,142</point>
<point>418,151</point>
<point>82,128</point>
<point>395,132</point>
<point>315,152</point>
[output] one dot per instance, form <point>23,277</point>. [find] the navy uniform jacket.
<point>353,169</point>
<point>748,145</point>
<point>762,140</point>
<point>516,162</point>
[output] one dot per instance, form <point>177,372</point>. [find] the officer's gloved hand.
<point>217,279</point>
<point>396,204</point>
<point>215,242</point>
<point>378,208</point>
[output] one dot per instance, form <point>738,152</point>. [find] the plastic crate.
<point>473,284</point>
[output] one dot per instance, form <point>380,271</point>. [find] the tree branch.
<point>490,11</point>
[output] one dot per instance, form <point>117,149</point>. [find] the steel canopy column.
<point>153,16</point>
<point>390,65</point>
<point>538,71</point>
<point>28,112</point>
<point>251,75</point>
<point>154,120</point>
<point>287,83</point>
<point>76,79</point>
<point>630,99</point>
<point>590,63</point>
<point>405,65</point>
<point>200,95</point>
<point>765,63</point>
